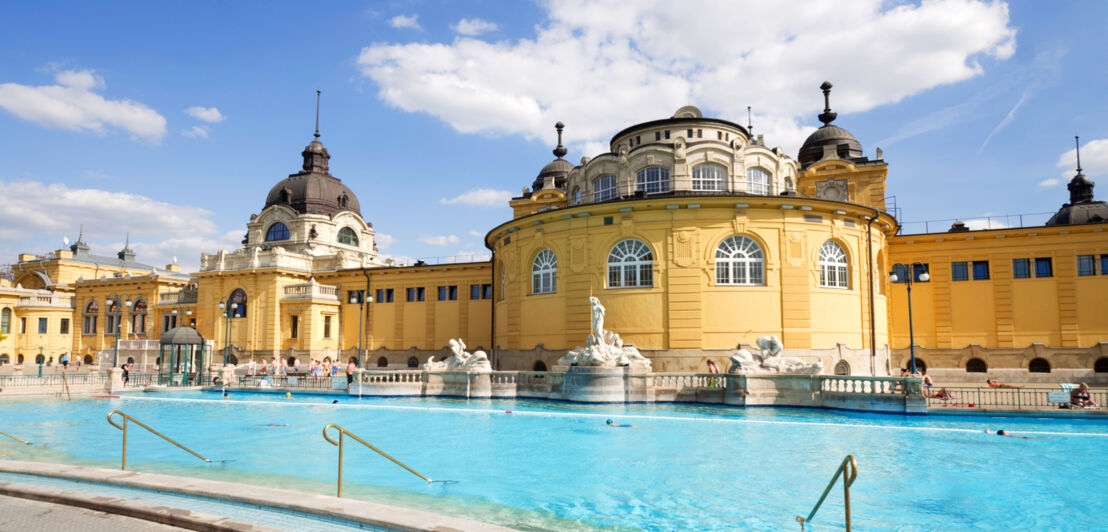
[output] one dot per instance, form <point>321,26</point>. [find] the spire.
<point>126,254</point>
<point>80,247</point>
<point>827,116</point>
<point>317,92</point>
<point>1080,187</point>
<point>749,122</point>
<point>560,151</point>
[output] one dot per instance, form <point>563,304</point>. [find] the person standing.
<point>350,374</point>
<point>126,367</point>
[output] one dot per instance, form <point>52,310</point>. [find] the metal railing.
<point>20,440</point>
<point>976,223</point>
<point>849,471</point>
<point>344,432</point>
<point>1007,398</point>
<point>123,427</point>
<point>54,379</point>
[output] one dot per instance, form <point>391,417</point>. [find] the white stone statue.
<point>770,360</point>
<point>461,360</point>
<point>603,347</point>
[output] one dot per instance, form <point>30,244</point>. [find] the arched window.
<point>87,359</point>
<point>739,261</point>
<point>630,265</point>
<point>138,316</point>
<point>576,195</point>
<point>348,236</point>
<point>6,321</point>
<point>19,359</point>
<point>39,359</point>
<point>539,366</point>
<point>238,302</point>
<point>604,188</point>
<point>652,179</point>
<point>834,270</point>
<point>976,365</point>
<point>92,310</point>
<point>1101,365</point>
<point>413,362</point>
<point>709,177</point>
<point>544,272</point>
<point>1039,365</point>
<point>757,181</point>
<point>842,368</point>
<point>382,362</point>
<point>277,231</point>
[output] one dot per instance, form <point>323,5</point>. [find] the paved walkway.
<point>25,515</point>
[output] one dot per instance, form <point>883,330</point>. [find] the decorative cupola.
<point>1082,208</point>
<point>315,155</point>
<point>557,170</point>
<point>126,254</point>
<point>830,139</point>
<point>80,248</point>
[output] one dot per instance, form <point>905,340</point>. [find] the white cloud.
<point>73,104</point>
<point>476,233</point>
<point>1049,182</point>
<point>383,241</point>
<point>474,26</point>
<point>482,197</point>
<point>210,115</point>
<point>32,211</point>
<point>985,223</point>
<point>406,21</point>
<point>1094,159</point>
<point>658,55</point>
<point>197,132</point>
<point>444,240</point>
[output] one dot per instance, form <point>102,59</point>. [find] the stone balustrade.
<point>182,297</point>
<point>46,300</point>
<point>311,290</point>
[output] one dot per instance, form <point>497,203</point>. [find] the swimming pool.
<point>559,467</point>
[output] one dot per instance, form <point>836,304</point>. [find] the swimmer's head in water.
<point>1001,433</point>
<point>288,394</point>
<point>335,402</point>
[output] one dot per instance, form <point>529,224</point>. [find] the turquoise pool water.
<point>559,467</point>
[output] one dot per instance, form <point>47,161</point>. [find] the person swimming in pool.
<point>1002,432</point>
<point>611,423</point>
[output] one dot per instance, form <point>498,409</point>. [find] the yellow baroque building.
<point>695,235</point>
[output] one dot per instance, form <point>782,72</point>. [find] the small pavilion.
<point>182,357</point>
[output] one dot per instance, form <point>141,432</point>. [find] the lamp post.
<point>366,298</point>
<point>116,300</point>
<point>181,313</point>
<point>923,277</point>
<point>40,359</point>
<point>228,313</point>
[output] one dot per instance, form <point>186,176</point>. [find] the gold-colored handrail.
<point>849,471</point>
<point>127,418</point>
<point>21,440</point>
<point>65,387</point>
<point>342,432</point>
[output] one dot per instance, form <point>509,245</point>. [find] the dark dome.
<point>314,190</point>
<point>182,336</point>
<point>558,169</point>
<point>1082,208</point>
<point>847,147</point>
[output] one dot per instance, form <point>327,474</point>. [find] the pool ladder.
<point>849,471</point>
<point>345,432</point>
<point>123,427</point>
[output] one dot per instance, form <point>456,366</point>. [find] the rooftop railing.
<point>51,300</point>
<point>976,223</point>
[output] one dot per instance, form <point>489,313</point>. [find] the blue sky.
<point>171,121</point>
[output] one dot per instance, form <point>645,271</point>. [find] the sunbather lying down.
<point>993,383</point>
<point>942,393</point>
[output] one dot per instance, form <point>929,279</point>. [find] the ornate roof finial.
<point>749,122</point>
<point>827,116</point>
<point>127,241</point>
<point>560,151</point>
<point>81,233</point>
<point>317,91</point>
<point>1077,146</point>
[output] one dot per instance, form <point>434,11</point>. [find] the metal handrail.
<point>65,388</point>
<point>127,418</point>
<point>21,440</point>
<point>343,431</point>
<point>849,471</point>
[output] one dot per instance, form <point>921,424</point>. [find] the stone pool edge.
<point>370,513</point>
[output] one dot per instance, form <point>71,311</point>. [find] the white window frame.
<point>544,272</point>
<point>740,261</point>
<point>834,266</point>
<point>653,180</point>
<point>757,181</point>
<point>709,177</point>
<point>604,188</point>
<point>630,265</point>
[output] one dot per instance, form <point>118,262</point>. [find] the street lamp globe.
<point>924,277</point>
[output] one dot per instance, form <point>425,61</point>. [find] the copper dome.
<point>314,190</point>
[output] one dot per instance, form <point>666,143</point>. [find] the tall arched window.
<point>92,311</point>
<point>544,272</point>
<point>834,270</point>
<point>652,179</point>
<point>277,231</point>
<point>6,321</point>
<point>604,188</point>
<point>739,261</point>
<point>757,181</point>
<point>709,177</point>
<point>576,195</point>
<point>630,265</point>
<point>239,297</point>
<point>138,316</point>
<point>348,236</point>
